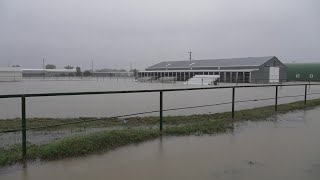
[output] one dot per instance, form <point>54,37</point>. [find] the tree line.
<point>78,69</point>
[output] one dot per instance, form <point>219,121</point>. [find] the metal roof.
<point>233,62</point>
<point>225,70</point>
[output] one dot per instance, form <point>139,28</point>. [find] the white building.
<point>10,74</point>
<point>48,72</point>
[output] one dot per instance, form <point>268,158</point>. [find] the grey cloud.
<point>115,33</point>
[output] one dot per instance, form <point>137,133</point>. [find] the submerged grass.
<point>108,140</point>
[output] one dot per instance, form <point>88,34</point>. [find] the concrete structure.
<point>48,72</point>
<point>203,79</point>
<point>10,74</point>
<point>242,70</point>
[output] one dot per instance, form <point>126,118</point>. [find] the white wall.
<point>10,74</point>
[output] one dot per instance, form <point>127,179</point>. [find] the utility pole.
<point>43,64</point>
<point>190,55</point>
<point>44,72</point>
<point>92,66</point>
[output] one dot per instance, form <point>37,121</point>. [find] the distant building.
<point>48,72</point>
<point>242,70</point>
<point>10,74</point>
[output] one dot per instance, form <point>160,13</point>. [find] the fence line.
<point>161,110</point>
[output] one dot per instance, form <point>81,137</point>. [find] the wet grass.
<point>108,140</point>
<point>77,146</point>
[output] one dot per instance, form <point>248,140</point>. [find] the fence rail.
<point>161,110</point>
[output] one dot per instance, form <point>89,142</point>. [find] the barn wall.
<point>262,75</point>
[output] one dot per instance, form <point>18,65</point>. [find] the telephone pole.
<point>43,64</point>
<point>190,55</point>
<point>130,66</point>
<point>92,66</point>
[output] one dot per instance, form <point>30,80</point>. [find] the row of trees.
<point>52,66</point>
<point>78,69</point>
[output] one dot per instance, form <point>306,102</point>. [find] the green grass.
<point>107,140</point>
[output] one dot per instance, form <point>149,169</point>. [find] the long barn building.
<point>242,70</point>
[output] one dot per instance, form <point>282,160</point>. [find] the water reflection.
<point>24,171</point>
<point>282,148</point>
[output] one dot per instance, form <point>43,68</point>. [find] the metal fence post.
<point>309,85</point>
<point>24,137</point>
<point>233,94</point>
<point>276,100</point>
<point>305,94</point>
<point>161,109</point>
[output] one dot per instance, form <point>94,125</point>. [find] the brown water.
<point>287,147</point>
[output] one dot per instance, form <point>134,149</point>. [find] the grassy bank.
<point>108,140</point>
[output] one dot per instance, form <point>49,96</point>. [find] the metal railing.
<point>161,110</point>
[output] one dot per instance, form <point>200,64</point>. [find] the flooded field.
<point>286,147</point>
<point>114,105</point>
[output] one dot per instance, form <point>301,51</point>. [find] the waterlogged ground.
<point>286,147</point>
<point>119,104</point>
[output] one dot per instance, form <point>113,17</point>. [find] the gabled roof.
<point>233,62</point>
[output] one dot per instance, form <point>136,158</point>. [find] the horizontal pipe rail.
<point>142,91</point>
<point>24,96</point>
<point>147,112</point>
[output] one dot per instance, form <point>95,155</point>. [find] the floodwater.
<point>119,104</point>
<point>286,147</point>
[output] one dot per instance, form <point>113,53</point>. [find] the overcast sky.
<point>143,32</point>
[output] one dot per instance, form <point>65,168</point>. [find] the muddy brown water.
<point>286,147</point>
